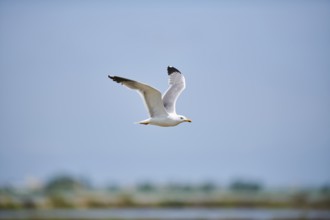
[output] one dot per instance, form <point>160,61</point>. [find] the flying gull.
<point>161,108</point>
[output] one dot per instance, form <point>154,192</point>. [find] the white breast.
<point>164,121</point>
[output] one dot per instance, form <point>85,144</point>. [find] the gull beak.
<point>188,120</point>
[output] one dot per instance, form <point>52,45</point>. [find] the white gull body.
<point>161,109</point>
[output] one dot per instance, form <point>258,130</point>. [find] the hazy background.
<point>258,91</point>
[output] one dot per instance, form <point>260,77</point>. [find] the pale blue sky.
<point>258,90</point>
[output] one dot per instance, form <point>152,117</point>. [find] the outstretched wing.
<point>151,96</point>
<point>177,85</point>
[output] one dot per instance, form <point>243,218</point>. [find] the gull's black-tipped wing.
<point>151,96</point>
<point>177,84</point>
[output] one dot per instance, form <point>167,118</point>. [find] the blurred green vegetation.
<point>65,191</point>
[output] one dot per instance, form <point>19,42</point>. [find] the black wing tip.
<point>171,69</point>
<point>115,78</point>
<point>119,79</point>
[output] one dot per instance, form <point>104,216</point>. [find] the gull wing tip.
<point>171,69</point>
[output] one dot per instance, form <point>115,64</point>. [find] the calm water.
<point>185,213</point>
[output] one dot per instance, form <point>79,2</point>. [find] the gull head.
<point>182,118</point>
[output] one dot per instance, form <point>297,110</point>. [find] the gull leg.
<point>144,123</point>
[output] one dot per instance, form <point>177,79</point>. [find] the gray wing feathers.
<point>177,85</point>
<point>151,96</point>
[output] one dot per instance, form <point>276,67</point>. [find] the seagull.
<point>161,109</point>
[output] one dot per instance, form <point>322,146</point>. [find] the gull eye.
<point>181,118</point>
